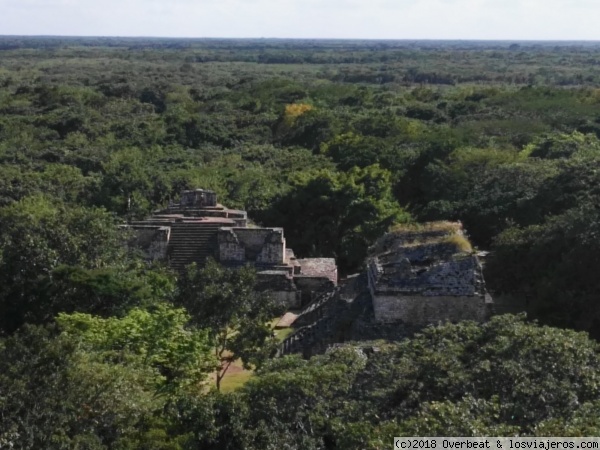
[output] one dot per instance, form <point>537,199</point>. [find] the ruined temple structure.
<point>415,276</point>
<point>427,275</point>
<point>198,227</point>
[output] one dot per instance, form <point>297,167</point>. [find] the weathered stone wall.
<point>459,275</point>
<point>280,286</point>
<point>198,197</point>
<point>275,280</point>
<point>273,249</point>
<point>373,272</point>
<point>456,277</point>
<point>319,267</point>
<point>289,299</point>
<point>419,310</point>
<point>230,249</point>
<point>311,285</point>
<point>425,278</point>
<point>424,253</point>
<point>447,291</point>
<point>260,245</point>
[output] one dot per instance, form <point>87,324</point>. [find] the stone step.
<point>190,240</point>
<point>193,236</point>
<point>193,249</point>
<point>188,235</point>
<point>191,243</point>
<point>193,226</point>
<point>195,240</point>
<point>196,225</point>
<point>183,260</point>
<point>186,232</point>
<point>193,233</point>
<point>181,237</point>
<point>181,241</point>
<point>190,258</point>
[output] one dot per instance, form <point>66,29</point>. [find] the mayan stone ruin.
<point>198,227</point>
<point>415,276</point>
<point>427,276</point>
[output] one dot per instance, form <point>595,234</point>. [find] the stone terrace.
<point>198,228</point>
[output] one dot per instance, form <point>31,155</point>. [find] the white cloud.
<point>408,19</point>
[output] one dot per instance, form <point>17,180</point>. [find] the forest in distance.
<point>335,141</point>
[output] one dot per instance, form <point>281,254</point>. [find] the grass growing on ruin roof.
<point>416,234</point>
<point>461,242</point>
<point>415,227</point>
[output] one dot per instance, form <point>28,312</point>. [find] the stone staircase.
<point>191,242</point>
<point>317,322</point>
<point>309,339</point>
<point>320,307</point>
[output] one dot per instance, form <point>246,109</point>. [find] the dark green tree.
<point>111,290</point>
<point>36,236</point>
<point>337,214</point>
<point>53,395</point>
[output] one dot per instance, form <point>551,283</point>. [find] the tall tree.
<point>225,302</point>
<point>53,395</point>
<point>158,338</point>
<point>36,236</point>
<point>337,214</point>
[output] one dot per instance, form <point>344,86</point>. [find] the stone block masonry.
<point>198,228</point>
<point>256,245</point>
<point>416,276</point>
<point>421,311</point>
<point>198,198</point>
<point>152,240</point>
<point>421,280</point>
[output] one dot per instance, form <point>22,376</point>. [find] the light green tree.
<point>159,338</point>
<point>236,316</point>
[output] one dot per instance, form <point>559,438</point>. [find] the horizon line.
<point>291,38</point>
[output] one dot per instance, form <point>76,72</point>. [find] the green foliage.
<point>503,362</point>
<point>236,316</point>
<point>553,265</point>
<point>132,184</point>
<point>454,380</point>
<point>36,236</point>
<point>563,146</point>
<point>485,189</point>
<point>157,338</point>
<point>104,291</point>
<point>342,213</point>
<point>288,405</point>
<point>56,396</point>
<point>505,141</point>
<point>58,180</point>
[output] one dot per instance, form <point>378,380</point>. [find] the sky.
<point>346,19</point>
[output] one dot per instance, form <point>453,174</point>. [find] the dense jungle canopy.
<point>335,141</point>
